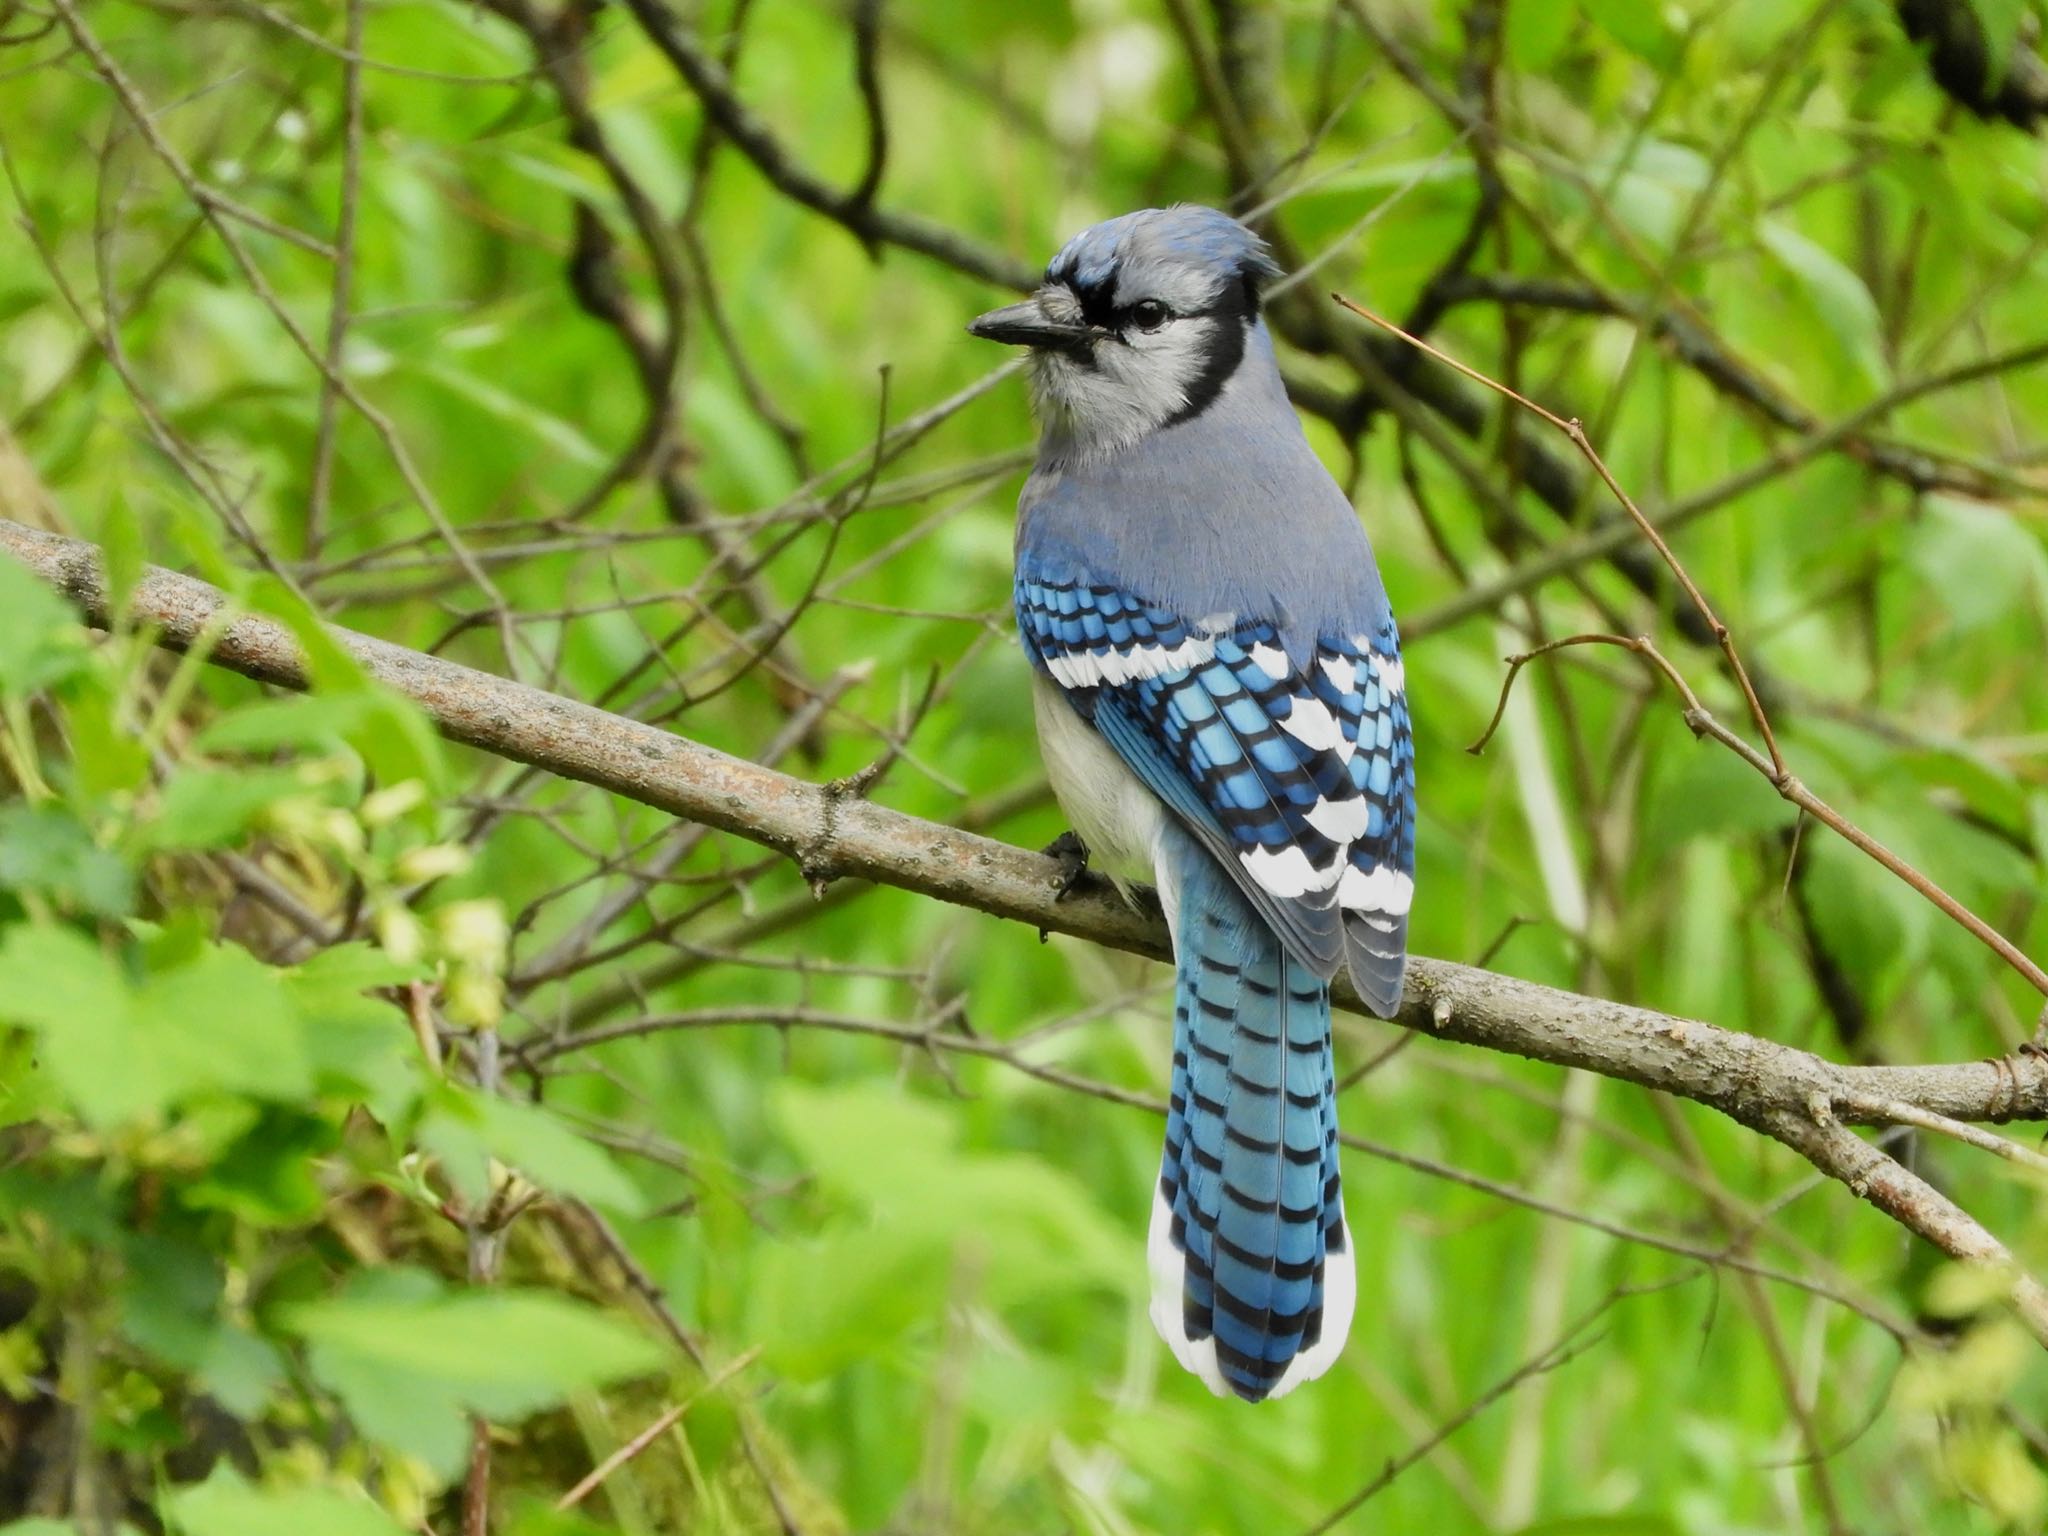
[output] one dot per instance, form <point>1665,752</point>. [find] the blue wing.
<point>1292,762</point>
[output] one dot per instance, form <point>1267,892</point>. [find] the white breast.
<point>1109,806</point>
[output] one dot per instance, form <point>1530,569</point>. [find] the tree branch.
<point>855,208</point>
<point>830,833</point>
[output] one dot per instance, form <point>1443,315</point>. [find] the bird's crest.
<point>1185,236</point>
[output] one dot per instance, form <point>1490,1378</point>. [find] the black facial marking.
<point>1098,302</point>
<point>1233,313</point>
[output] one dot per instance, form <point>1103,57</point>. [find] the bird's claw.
<point>1073,856</point>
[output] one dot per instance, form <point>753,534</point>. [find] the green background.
<point>232,1260</point>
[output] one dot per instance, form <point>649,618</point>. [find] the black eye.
<point>1150,314</point>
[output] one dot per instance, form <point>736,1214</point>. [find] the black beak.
<point>1028,325</point>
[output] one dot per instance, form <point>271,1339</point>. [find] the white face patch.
<point>1125,387</point>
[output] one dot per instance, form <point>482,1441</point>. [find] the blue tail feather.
<point>1250,1217</point>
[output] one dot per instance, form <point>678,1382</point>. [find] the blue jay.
<point>1218,690</point>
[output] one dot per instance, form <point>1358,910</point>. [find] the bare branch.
<point>1773,768</point>
<point>1793,1096</point>
<point>872,225</point>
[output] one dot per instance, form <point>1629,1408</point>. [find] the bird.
<point>1220,703</point>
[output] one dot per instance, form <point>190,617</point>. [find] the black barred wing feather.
<point>1291,761</point>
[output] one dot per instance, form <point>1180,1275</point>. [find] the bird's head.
<point>1140,323</point>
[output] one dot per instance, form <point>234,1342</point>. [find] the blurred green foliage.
<point>771,1156</point>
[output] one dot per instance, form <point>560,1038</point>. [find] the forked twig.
<point>1771,762</point>
<point>1640,644</point>
<point>1577,433</point>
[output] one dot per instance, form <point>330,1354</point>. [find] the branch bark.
<point>830,833</point>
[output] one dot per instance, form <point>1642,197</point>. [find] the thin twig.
<point>870,223</point>
<point>653,1432</point>
<point>1572,429</point>
<point>1770,1087</point>
<point>139,113</point>
<point>1773,767</point>
<point>867,45</point>
<point>1793,789</point>
<point>344,279</point>
<point>1640,644</point>
<point>1567,1347</point>
<point>1976,1136</point>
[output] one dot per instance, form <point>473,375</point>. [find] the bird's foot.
<point>1073,856</point>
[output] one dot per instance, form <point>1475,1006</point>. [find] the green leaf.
<point>225,1505</point>
<point>1837,294</point>
<point>242,1370</point>
<point>61,984</point>
<point>538,1518</point>
<point>1031,1228</point>
<point>48,851</point>
<point>753,456</point>
<point>410,1361</point>
<point>1869,921</point>
<point>220,1021</point>
<point>223,1021</point>
<point>1653,186</point>
<point>107,756</point>
<point>531,1139</point>
<point>121,549</point>
<point>549,430</point>
<point>1982,564</point>
<point>456,1142</point>
<point>822,1305</point>
<point>265,1177</point>
<point>16,300</point>
<point>173,1295</point>
<point>1536,34</point>
<point>397,743</point>
<point>312,723</point>
<point>329,663</point>
<point>387,731</point>
<point>1637,26</point>
<point>41,640</point>
<point>1894,62</point>
<point>214,807</point>
<point>353,968</point>
<point>562,170</point>
<point>355,1039</point>
<point>1713,793</point>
